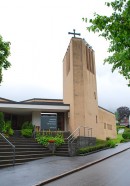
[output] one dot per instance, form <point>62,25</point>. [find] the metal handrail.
<point>11,146</point>
<point>76,133</point>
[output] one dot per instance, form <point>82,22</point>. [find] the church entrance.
<point>17,120</point>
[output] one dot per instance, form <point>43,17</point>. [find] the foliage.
<point>123,111</point>
<point>10,132</point>
<point>126,135</point>
<point>111,143</point>
<point>100,145</point>
<point>27,129</point>
<point>2,122</point>
<point>116,29</point>
<point>5,127</point>
<point>4,53</point>
<point>27,125</point>
<point>91,148</point>
<point>44,139</point>
<point>26,133</point>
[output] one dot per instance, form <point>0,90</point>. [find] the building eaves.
<point>3,100</point>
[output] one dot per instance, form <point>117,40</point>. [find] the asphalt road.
<point>114,171</point>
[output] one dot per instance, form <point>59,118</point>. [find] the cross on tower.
<point>74,33</point>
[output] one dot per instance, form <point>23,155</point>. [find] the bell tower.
<point>79,85</point>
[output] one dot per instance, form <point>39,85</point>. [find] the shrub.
<point>11,132</point>
<point>27,125</point>
<point>7,128</point>
<point>111,143</point>
<point>26,132</point>
<point>91,148</point>
<point>126,135</point>
<point>2,123</point>
<point>44,139</point>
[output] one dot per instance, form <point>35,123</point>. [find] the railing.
<point>11,146</point>
<point>81,130</point>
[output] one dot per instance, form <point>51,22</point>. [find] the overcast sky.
<point>38,32</point>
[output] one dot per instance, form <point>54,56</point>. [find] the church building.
<point>79,107</point>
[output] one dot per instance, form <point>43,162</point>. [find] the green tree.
<point>4,53</point>
<point>116,29</point>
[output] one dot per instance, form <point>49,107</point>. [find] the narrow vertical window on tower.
<point>68,61</point>
<point>87,57</point>
<point>95,95</point>
<point>92,61</point>
<point>96,119</point>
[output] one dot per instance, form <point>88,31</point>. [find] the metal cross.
<point>74,33</point>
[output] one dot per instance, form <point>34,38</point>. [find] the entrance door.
<point>60,121</point>
<point>14,122</point>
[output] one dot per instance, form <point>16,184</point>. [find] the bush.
<point>7,128</point>
<point>2,122</point>
<point>11,132</point>
<point>27,125</point>
<point>44,139</point>
<point>26,132</point>
<point>91,148</point>
<point>126,135</point>
<point>111,143</point>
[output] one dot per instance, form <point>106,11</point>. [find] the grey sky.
<point>38,32</point>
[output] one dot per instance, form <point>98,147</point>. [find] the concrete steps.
<point>25,150</point>
<point>62,150</point>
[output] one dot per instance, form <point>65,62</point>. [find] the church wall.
<point>68,86</point>
<point>106,124</point>
<point>36,118</point>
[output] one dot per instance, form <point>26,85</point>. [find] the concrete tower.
<point>79,85</point>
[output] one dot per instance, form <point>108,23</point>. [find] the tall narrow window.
<point>92,61</point>
<point>96,120</point>
<point>68,61</point>
<point>87,57</point>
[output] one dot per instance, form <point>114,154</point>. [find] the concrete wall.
<point>79,85</point>
<point>36,118</point>
<point>106,124</point>
<point>80,91</point>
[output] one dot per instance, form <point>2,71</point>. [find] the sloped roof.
<point>3,100</point>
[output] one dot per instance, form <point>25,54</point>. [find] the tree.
<point>116,29</point>
<point>122,111</point>
<point>4,53</point>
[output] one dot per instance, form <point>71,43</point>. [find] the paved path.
<point>38,171</point>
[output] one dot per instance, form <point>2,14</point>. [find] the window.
<point>68,61</point>
<point>87,58</point>
<point>90,59</point>
<point>95,95</point>
<point>96,119</point>
<point>109,127</point>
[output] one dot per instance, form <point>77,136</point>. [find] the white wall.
<point>36,118</point>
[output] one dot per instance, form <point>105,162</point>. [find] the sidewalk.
<point>36,172</point>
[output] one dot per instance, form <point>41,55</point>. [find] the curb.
<point>77,169</point>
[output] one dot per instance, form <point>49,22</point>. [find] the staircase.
<point>63,149</point>
<point>26,149</point>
